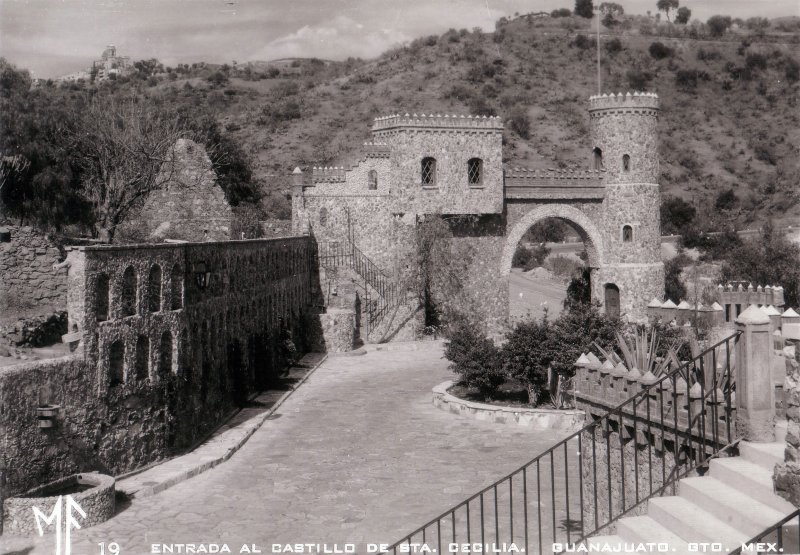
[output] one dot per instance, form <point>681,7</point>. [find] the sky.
<point>56,37</point>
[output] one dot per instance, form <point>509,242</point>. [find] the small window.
<point>177,287</point>
<point>475,171</point>
<point>323,216</point>
<point>627,234</point>
<point>142,357</point>
<point>626,163</point>
<point>154,289</point>
<point>373,180</point>
<point>102,298</point>
<point>129,287</point>
<point>428,172</point>
<point>116,363</point>
<point>597,158</point>
<point>165,355</point>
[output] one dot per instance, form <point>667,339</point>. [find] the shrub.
<point>755,60</point>
<point>718,24</point>
<point>527,355</point>
<point>792,69</point>
<point>686,79</point>
<point>475,358</point>
<point>527,258</point>
<point>726,200</point>
<point>613,46</point>
<point>673,287</point>
<point>561,266</point>
<point>638,80</point>
<point>579,290</point>
<point>676,215</point>
<point>705,55</point>
<point>561,12</point>
<point>582,41</point>
<point>520,123</point>
<point>659,50</point>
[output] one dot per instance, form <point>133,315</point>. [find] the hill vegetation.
<point>729,126</point>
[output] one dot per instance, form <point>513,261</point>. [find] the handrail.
<point>690,449</point>
<point>777,543</point>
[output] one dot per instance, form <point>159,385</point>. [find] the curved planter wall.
<point>97,502</point>
<point>536,419</point>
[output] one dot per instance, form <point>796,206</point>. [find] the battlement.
<point>523,183</point>
<point>635,100</point>
<point>438,121</point>
<point>327,174</point>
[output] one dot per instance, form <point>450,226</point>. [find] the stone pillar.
<point>299,220</point>
<point>755,390</point>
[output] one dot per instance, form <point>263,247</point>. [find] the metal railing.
<point>581,484</point>
<point>346,254</point>
<point>781,537</point>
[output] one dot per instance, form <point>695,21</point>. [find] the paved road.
<point>357,454</point>
<point>528,296</point>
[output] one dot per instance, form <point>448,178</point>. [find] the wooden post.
<point>755,391</point>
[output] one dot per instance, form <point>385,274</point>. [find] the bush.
<point>686,79</point>
<point>527,355</point>
<point>676,215</point>
<point>563,267</point>
<point>792,69</point>
<point>726,200</point>
<point>755,60</point>
<point>527,258</point>
<point>718,24</point>
<point>613,46</point>
<point>561,12</point>
<point>520,123</point>
<point>579,290</point>
<point>673,287</point>
<point>705,55</point>
<point>582,41</point>
<point>659,50</point>
<point>638,80</point>
<point>475,358</point>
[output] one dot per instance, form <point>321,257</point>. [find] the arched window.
<point>597,158</point>
<point>165,354</point>
<point>627,234</point>
<point>323,216</point>
<point>475,171</point>
<point>101,298</point>
<point>183,354</point>
<point>129,292</point>
<point>142,357</point>
<point>612,300</point>
<point>177,287</point>
<point>116,363</point>
<point>373,180</point>
<point>626,163</point>
<point>154,288</point>
<point>428,172</point>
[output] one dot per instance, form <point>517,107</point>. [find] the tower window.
<point>373,180</point>
<point>627,234</point>
<point>626,163</point>
<point>475,171</point>
<point>428,172</point>
<point>597,158</point>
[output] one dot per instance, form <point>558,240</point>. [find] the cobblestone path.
<point>357,454</point>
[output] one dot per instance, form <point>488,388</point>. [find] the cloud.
<point>338,38</point>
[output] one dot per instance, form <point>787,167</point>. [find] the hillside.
<point>729,106</point>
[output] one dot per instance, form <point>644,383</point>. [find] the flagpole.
<point>599,88</point>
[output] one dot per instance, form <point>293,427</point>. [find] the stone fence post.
<point>755,390</point>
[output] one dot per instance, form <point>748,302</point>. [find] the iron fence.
<point>781,537</point>
<point>634,451</point>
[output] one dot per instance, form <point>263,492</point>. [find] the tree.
<point>527,355</point>
<point>667,5</point>
<point>584,8</point>
<point>758,25</point>
<point>718,24</point>
<point>683,15</point>
<point>579,290</point>
<point>676,215</point>
<point>125,150</point>
<point>611,12</point>
<point>673,287</point>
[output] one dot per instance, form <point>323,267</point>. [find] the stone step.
<point>728,504</point>
<point>690,522</point>
<point>647,529</point>
<point>766,455</point>
<point>749,478</point>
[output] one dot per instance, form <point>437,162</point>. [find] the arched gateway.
<point>426,165</point>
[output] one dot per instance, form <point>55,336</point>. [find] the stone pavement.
<point>357,454</point>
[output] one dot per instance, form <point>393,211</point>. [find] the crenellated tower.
<point>624,139</point>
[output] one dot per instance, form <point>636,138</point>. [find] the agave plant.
<point>639,351</point>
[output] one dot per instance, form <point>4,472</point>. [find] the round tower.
<point>625,146</point>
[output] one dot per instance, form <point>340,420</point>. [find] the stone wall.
<point>29,281</point>
<point>787,474</point>
<point>169,339</point>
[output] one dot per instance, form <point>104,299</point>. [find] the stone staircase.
<point>730,504</point>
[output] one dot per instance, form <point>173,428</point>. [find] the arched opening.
<point>475,172</point>
<point>101,298</point>
<point>372,180</point>
<point>165,355</point>
<point>428,172</point>
<point>128,297</point>
<point>626,163</point>
<point>177,287</point>
<point>597,158</point>
<point>142,364</point>
<point>611,297</point>
<point>575,251</point>
<point>154,289</point>
<point>627,234</point>
<point>116,363</point>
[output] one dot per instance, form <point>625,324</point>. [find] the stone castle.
<point>417,165</point>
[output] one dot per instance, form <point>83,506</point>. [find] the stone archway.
<point>588,231</point>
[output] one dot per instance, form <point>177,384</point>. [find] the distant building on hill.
<point>102,68</point>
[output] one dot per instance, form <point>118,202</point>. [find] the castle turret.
<point>625,145</point>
